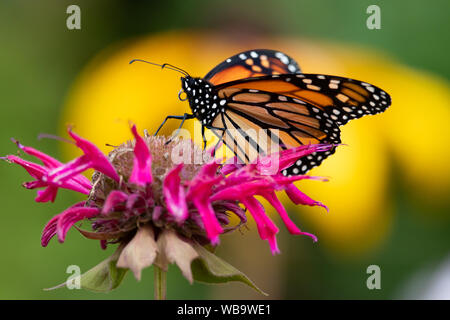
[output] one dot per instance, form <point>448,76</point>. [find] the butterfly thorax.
<point>203,99</point>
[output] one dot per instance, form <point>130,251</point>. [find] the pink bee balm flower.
<point>159,210</point>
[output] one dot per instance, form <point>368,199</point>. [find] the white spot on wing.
<point>333,86</point>
<point>283,58</point>
<point>292,68</point>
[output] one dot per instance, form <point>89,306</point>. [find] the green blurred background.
<point>40,58</point>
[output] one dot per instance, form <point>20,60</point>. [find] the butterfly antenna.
<point>165,65</point>
<point>174,68</point>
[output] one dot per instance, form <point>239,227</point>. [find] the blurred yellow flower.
<point>414,130</point>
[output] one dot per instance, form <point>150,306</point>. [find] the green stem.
<point>160,283</point>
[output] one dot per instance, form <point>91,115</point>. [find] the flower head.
<point>158,207</point>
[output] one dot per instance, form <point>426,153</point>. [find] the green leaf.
<point>104,277</point>
<point>210,268</point>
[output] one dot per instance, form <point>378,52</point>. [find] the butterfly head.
<point>195,87</point>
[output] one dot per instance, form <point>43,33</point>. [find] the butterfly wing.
<point>259,123</point>
<point>298,108</point>
<point>341,98</point>
<point>252,63</point>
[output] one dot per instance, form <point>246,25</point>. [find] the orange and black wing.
<point>262,122</point>
<point>252,63</point>
<point>342,99</point>
<point>293,109</point>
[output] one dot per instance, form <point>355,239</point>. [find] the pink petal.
<point>68,175</point>
<point>266,228</point>
<point>212,226</point>
<point>48,161</point>
<point>43,179</point>
<point>290,225</point>
<point>174,194</point>
<point>157,212</point>
<point>243,189</point>
<point>70,169</point>
<point>114,198</point>
<point>285,181</point>
<point>33,169</point>
<point>142,162</point>
<point>132,200</point>
<point>95,157</point>
<point>199,193</point>
<point>71,216</point>
<point>237,210</point>
<point>289,156</point>
<point>230,167</point>
<point>48,194</point>
<point>34,184</point>
<point>299,197</point>
<point>208,171</point>
<point>50,229</point>
<point>83,181</point>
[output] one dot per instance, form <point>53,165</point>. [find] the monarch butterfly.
<point>265,89</point>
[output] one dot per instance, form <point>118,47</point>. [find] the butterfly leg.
<point>203,137</point>
<point>218,142</point>
<point>183,117</point>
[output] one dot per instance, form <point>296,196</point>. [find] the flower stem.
<point>159,283</point>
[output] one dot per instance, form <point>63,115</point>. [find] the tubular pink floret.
<point>199,192</point>
<point>43,179</point>
<point>51,163</point>
<point>298,197</point>
<point>175,195</point>
<point>51,228</point>
<point>275,202</point>
<point>289,156</point>
<point>93,157</point>
<point>115,197</point>
<point>71,216</point>
<point>47,160</point>
<point>142,163</point>
<point>266,228</point>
